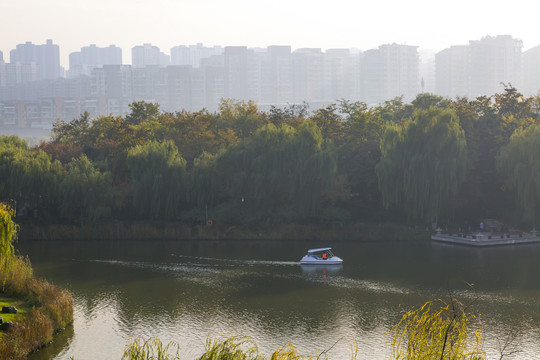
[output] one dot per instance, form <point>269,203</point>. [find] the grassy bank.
<point>44,308</point>
<point>182,231</point>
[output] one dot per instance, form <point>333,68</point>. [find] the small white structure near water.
<point>486,238</point>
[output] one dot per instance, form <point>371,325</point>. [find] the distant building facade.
<point>452,72</point>
<point>91,57</point>
<point>148,55</point>
<point>45,58</point>
<point>531,71</point>
<point>34,92</point>
<point>480,68</point>
<point>492,61</point>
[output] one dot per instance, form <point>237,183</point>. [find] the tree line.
<point>434,159</point>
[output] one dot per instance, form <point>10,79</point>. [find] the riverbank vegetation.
<point>233,348</point>
<point>44,307</point>
<point>437,330</point>
<point>431,160</point>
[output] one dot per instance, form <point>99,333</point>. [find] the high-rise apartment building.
<point>46,57</point>
<point>148,54</point>
<point>494,60</point>
<point>112,81</point>
<point>388,72</point>
<point>400,71</point>
<point>480,68</point>
<point>179,90</point>
<point>236,72</point>
<point>531,71</point>
<point>150,84</point>
<point>371,70</point>
<point>90,57</point>
<point>193,54</point>
<point>339,74</point>
<point>308,76</point>
<point>213,69</point>
<point>280,88</point>
<point>452,71</point>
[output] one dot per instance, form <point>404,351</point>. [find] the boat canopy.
<point>317,250</point>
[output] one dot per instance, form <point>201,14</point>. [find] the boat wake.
<point>218,271</point>
<point>239,261</point>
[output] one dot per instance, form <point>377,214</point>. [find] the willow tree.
<point>8,233</point>
<point>519,163</point>
<point>29,177</point>
<point>86,192</point>
<point>279,173</point>
<point>423,163</point>
<point>157,170</point>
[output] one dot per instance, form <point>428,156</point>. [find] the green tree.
<point>242,117</point>
<point>86,192</point>
<point>76,131</point>
<point>157,170</point>
<point>427,100</point>
<point>29,177</point>
<point>359,154</point>
<point>279,173</point>
<point>142,111</point>
<point>519,164</point>
<point>330,123</point>
<point>423,163</point>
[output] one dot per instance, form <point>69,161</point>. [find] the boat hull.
<point>308,260</point>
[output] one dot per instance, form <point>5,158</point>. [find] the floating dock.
<point>486,239</point>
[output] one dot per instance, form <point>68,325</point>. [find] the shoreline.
<point>129,230</point>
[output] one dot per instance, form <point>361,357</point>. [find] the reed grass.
<point>234,348</point>
<point>152,349</point>
<point>231,348</point>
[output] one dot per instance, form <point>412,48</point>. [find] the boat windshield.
<point>324,254</point>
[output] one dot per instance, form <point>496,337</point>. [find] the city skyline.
<point>197,77</point>
<point>168,23</point>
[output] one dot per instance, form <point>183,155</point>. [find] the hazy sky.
<point>430,24</point>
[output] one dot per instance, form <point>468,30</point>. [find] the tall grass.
<point>152,349</point>
<point>27,335</point>
<point>52,310</point>
<point>232,348</point>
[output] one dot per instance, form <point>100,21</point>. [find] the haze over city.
<point>339,24</point>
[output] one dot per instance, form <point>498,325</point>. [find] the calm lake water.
<point>187,291</point>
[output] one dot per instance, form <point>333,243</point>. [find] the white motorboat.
<point>321,256</point>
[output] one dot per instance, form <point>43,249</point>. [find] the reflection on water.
<point>321,271</point>
<point>185,291</point>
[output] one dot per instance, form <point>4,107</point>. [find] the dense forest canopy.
<point>434,159</point>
